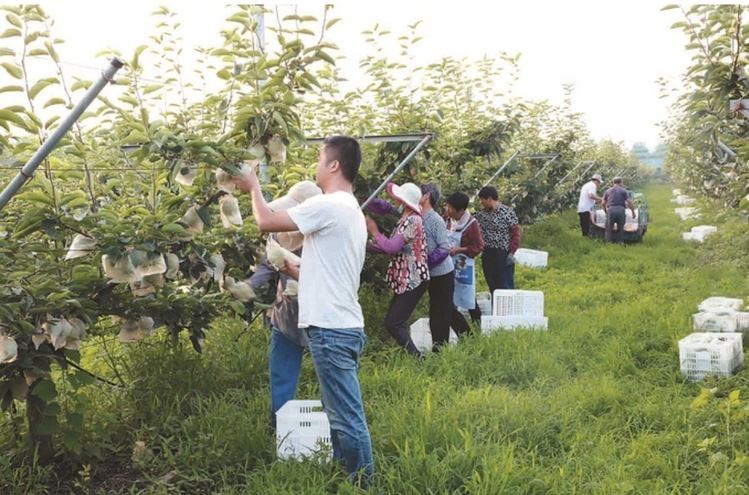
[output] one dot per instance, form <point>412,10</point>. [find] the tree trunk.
<point>35,408</point>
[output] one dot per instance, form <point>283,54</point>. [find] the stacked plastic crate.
<point>699,233</point>
<point>302,430</point>
<point>512,309</point>
<point>716,348</point>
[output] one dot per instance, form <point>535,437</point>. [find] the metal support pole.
<point>537,174</point>
<point>573,169</point>
<point>46,148</point>
<point>500,169</point>
<point>402,164</point>
<point>423,139</point>
<point>584,172</point>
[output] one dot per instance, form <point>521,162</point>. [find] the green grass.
<point>596,404</point>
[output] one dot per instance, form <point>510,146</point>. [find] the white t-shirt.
<point>335,240</point>
<point>586,203</point>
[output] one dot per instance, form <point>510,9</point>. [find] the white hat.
<point>408,193</point>
<point>597,177</point>
<point>297,194</point>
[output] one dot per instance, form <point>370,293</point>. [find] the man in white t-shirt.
<point>335,238</point>
<point>588,199</point>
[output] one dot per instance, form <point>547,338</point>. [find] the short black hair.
<point>433,191</point>
<point>617,180</point>
<point>347,151</point>
<point>458,200</point>
<point>487,192</point>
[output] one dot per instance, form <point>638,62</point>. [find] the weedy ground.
<point>596,404</point>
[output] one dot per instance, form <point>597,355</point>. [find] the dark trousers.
<point>615,215</point>
<point>584,222</point>
<point>401,307</point>
<point>497,274</point>
<point>440,308</point>
<point>459,323</point>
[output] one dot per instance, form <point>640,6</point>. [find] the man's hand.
<point>634,213</point>
<point>248,180</point>
<point>510,260</point>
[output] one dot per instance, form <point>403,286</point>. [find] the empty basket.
<point>703,354</point>
<point>302,429</point>
<point>531,258</point>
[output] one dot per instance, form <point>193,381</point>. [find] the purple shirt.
<point>616,196</point>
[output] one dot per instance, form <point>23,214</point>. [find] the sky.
<point>612,51</point>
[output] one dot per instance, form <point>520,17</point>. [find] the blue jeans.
<point>284,363</point>
<point>335,353</point>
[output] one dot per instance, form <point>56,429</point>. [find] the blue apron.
<point>464,295</point>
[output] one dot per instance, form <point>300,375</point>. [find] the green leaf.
<point>8,33</point>
<point>80,84</point>
<point>238,307</point>
<point>74,419</point>
<point>35,196</point>
<point>52,409</point>
<point>14,20</point>
<point>13,70</point>
<point>45,389</point>
<point>14,118</point>
<point>6,51</point>
<point>7,89</point>
<point>48,426</point>
<point>40,85</point>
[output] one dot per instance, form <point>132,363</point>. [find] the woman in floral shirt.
<point>408,269</point>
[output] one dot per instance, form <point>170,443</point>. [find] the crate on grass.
<point>491,324</point>
<point>421,335</point>
<point>302,429</point>
<point>702,354</point>
<point>714,322</point>
<point>720,305</point>
<point>531,258</point>
<point>518,303</point>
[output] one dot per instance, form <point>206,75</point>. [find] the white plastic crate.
<point>422,335</point>
<point>742,321</point>
<point>714,322</point>
<point>687,213</point>
<point>691,236</point>
<point>685,200</point>
<point>490,324</point>
<point>704,230</point>
<point>717,304</point>
<point>702,354</point>
<point>518,303</point>
<point>302,429</point>
<point>532,258</point>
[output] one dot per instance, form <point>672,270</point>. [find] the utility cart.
<point>634,228</point>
